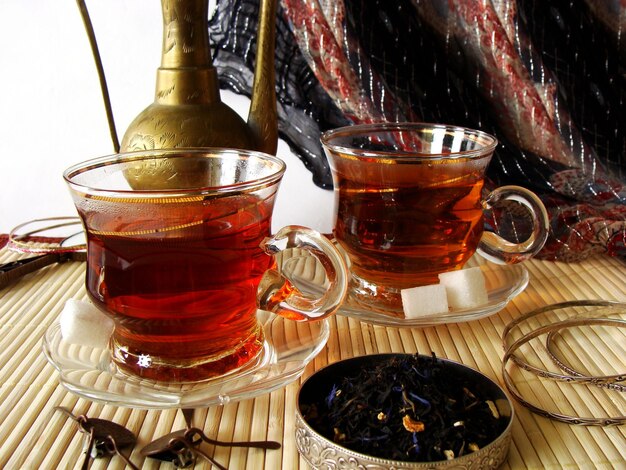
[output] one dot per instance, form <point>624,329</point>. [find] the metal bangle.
<point>581,379</point>
<point>606,308</point>
<point>19,240</point>
<point>607,381</point>
<point>561,306</point>
<point>512,389</point>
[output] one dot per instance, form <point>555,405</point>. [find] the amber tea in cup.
<point>179,249</point>
<point>409,205</point>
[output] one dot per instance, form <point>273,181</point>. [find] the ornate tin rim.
<point>495,452</point>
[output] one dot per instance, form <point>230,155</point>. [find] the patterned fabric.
<point>548,79</point>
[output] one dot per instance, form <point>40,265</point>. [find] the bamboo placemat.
<point>33,436</point>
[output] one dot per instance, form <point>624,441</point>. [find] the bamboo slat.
<point>33,435</point>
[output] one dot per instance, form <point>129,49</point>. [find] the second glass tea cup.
<point>409,205</point>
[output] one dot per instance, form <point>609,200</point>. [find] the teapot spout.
<point>263,116</point>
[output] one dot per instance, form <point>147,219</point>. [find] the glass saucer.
<point>503,282</point>
<point>90,373</point>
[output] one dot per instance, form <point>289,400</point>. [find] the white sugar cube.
<point>82,323</point>
<point>465,288</point>
<point>424,300</point>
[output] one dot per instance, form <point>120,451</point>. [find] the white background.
<point>52,114</point>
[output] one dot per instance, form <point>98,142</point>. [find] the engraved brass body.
<point>188,111</point>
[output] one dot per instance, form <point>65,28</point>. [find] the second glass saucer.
<point>503,283</point>
<point>90,372</point>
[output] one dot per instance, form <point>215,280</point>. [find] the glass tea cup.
<point>409,205</point>
<point>180,255</point>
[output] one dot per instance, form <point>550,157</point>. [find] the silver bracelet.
<point>606,381</point>
<point>595,317</point>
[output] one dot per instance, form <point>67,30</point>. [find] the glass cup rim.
<point>123,157</point>
<point>484,151</point>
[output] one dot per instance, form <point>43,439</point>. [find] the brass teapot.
<point>188,111</point>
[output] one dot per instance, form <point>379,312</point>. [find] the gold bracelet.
<point>19,236</point>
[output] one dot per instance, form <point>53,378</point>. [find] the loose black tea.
<point>407,408</point>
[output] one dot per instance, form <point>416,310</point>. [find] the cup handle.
<point>278,294</point>
<point>501,251</point>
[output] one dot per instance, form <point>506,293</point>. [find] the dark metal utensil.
<point>182,447</point>
<point>104,438</point>
<point>14,270</point>
<point>176,448</point>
